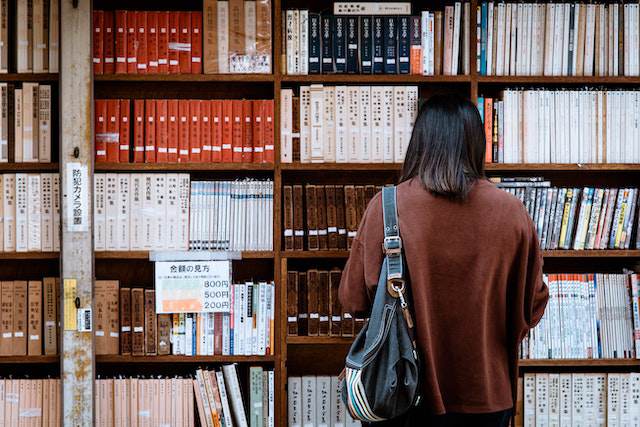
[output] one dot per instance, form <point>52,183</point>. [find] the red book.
<point>152,42</point>
<point>125,125</point>
<point>194,131</point>
<point>174,42</point>
<point>184,53</point>
<point>138,131</point>
<point>269,133</point>
<point>109,43</point>
<point>162,135</point>
<point>141,41</point>
<point>98,41</point>
<point>205,131</point>
<point>132,60</point>
<point>217,333</point>
<point>121,41</point>
<point>258,131</point>
<point>236,131</point>
<point>216,131</point>
<point>172,127</point>
<point>150,131</point>
<point>227,126</point>
<point>101,130</point>
<point>196,42</point>
<point>247,131</point>
<point>113,130</point>
<point>488,129</point>
<point>183,131</point>
<point>163,42</point>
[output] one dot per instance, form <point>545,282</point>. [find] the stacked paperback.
<point>558,39</point>
<point>578,218</point>
<point>231,215</point>
<point>29,212</point>
<point>219,398</point>
<point>317,401</point>
<point>25,123</point>
<point>562,126</point>
<point>184,130</point>
<point>597,399</point>
<point>313,306</point>
<point>347,124</point>
<point>588,316</point>
<point>30,402</point>
<point>37,34</point>
<point>388,40</point>
<point>327,215</point>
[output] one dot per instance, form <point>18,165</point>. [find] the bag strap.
<point>392,244</point>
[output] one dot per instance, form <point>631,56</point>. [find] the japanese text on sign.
<point>76,197</point>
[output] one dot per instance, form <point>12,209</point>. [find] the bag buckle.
<point>392,245</point>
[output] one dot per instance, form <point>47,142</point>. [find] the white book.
<point>558,40</point>
<point>188,334</point>
<point>388,124</point>
<point>308,401</point>
<point>54,23</point>
<point>304,43</point>
<point>46,181</point>
<point>323,401</point>
<point>565,399</point>
<point>539,46</point>
<point>501,38</point>
<point>99,212</point>
<point>566,66</point>
<point>590,401</point>
<point>600,396</point>
<point>55,196</point>
<point>260,347</point>
<point>286,125</point>
<point>466,38</point>
<point>377,124</point>
<point>305,124</point>
<point>291,43</point>
<point>508,16</point>
<point>337,405</point>
<point>341,125</point>
<point>250,27</point>
<point>515,13</point>
<point>490,36</point>
<point>38,46</point>
<point>4,120</point>
<point>23,58</point>
<point>224,397</point>
<point>111,211</point>
<point>577,404</point>
<point>329,124</point>
<point>365,124</point>
<point>634,407</point>
<point>554,399</point>
<point>159,212</point>
<point>123,215</point>
<point>613,399</point>
<point>235,395</point>
<point>457,29</point>
<point>294,399</point>
<point>44,123</point>
<point>550,30</point>
<point>29,103</point>
<point>183,218</point>
<point>135,209</point>
<point>589,45</point>
<point>413,96</point>
<point>625,401</point>
<point>542,399</point>
<point>34,212</point>
<point>353,119</point>
<point>9,212</point>
<point>529,395</point>
<point>271,398</point>
<point>316,121</point>
<point>172,211</point>
<point>1,215</point>
<point>18,126</point>
<point>223,36</point>
<point>22,218</point>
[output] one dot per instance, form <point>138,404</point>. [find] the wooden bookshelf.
<point>184,78</point>
<point>144,255</point>
<point>29,167</point>
<point>489,167</point>
<point>374,78</point>
<point>606,253</point>
<point>31,360</point>
<point>29,77</point>
<point>117,359</point>
<point>28,255</point>
<point>182,167</point>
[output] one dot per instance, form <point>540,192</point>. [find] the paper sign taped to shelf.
<point>76,197</point>
<point>193,286</point>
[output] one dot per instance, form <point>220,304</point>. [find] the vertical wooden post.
<point>76,154</point>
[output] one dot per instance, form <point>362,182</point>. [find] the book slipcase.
<point>305,355</point>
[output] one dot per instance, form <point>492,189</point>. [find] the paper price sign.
<point>193,286</point>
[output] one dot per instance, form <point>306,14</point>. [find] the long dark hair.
<point>447,146</point>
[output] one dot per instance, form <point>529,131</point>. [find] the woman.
<point>474,264</point>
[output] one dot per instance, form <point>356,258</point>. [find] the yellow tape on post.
<point>70,310</point>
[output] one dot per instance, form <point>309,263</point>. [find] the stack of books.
<point>37,401</point>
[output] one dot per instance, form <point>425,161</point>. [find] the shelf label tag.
<point>76,197</point>
<point>70,310</point>
<point>84,319</point>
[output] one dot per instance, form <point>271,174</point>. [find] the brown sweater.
<point>475,270</point>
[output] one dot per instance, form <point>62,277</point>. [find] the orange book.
<point>247,131</point>
<point>120,41</point>
<point>19,318</point>
<point>125,130</point>
<point>141,41</point>
<point>34,336</point>
<point>100,129</point>
<point>216,131</point>
<point>162,135</point>
<point>205,131</point>
<point>138,131</point>
<point>132,60</point>
<point>194,131</point>
<point>236,130</point>
<point>108,43</point>
<point>113,130</point>
<point>163,42</point>
<point>98,41</point>
<point>184,55</point>
<point>183,131</point>
<point>196,42</point>
<point>6,319</point>
<point>258,131</point>
<point>152,42</point>
<point>150,131</point>
<point>488,129</point>
<point>227,128</point>
<point>269,133</point>
<point>174,40</point>
<point>172,128</point>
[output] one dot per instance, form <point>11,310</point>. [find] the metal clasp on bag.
<point>396,288</point>
<point>392,245</point>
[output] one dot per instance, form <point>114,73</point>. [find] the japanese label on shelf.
<point>192,286</point>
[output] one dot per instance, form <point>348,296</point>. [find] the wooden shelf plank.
<point>29,167</point>
<point>10,360</point>
<point>489,166</point>
<point>178,167</point>
<point>315,254</point>
<point>119,359</point>
<point>373,78</point>
<point>29,77</point>
<point>340,166</point>
<point>607,253</point>
<point>29,255</point>
<point>578,362</point>
<point>144,255</point>
<point>184,78</point>
<point>302,340</point>
<point>586,80</point>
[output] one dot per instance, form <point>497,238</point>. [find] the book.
<point>316,400</point>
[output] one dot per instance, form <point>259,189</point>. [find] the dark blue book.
<point>366,45</point>
<point>340,44</point>
<point>404,44</point>
<point>483,39</point>
<point>390,45</point>
<point>327,43</point>
<point>314,43</point>
<point>353,57</point>
<point>572,48</point>
<point>378,45</point>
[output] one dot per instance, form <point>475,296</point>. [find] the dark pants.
<point>420,418</point>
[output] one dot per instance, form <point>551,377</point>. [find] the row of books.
<point>126,323</point>
<point>29,317</point>
<point>37,35</point>
<point>323,216</point>
<point>340,124</point>
<point>219,398</point>
<point>315,401</point>
<point>30,402</point>
<point>579,218</point>
<point>25,123</point>
<point>432,42</point>
<point>185,131</point>
<point>231,215</point>
<point>558,39</point>
<point>562,126</point>
<point>141,211</point>
<point>588,316</point>
<point>313,307</point>
<point>564,399</point>
<point>29,212</point>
